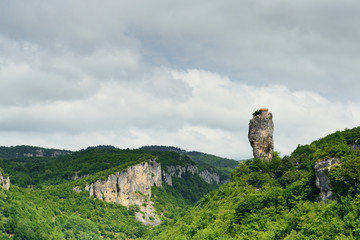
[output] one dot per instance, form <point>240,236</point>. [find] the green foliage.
<point>49,171</point>
<point>276,199</point>
<point>223,166</point>
<point>257,112</point>
<point>76,227</point>
<point>56,213</point>
<point>3,173</point>
<point>264,200</point>
<point>346,176</point>
<point>52,210</point>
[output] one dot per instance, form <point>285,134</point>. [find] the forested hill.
<point>74,196</point>
<point>277,199</point>
<point>223,165</point>
<point>30,151</point>
<point>66,197</point>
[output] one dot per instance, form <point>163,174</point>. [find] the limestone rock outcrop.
<point>4,181</point>
<point>209,177</point>
<point>322,180</point>
<point>131,187</point>
<point>77,176</point>
<point>179,171</point>
<point>261,128</point>
<point>356,145</point>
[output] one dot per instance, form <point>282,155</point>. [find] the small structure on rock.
<point>261,128</point>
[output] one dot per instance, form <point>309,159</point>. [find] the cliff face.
<point>261,128</point>
<point>322,180</point>
<point>4,181</point>
<point>210,178</point>
<point>179,171</point>
<point>131,187</point>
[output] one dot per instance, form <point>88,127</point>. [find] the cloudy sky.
<point>180,73</point>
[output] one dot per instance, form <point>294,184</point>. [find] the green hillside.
<point>276,200</point>
<point>51,209</point>
<point>263,200</point>
<point>223,165</point>
<point>30,151</point>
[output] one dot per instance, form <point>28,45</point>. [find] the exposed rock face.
<point>76,176</point>
<point>210,178</point>
<point>43,153</point>
<point>131,187</point>
<point>322,180</point>
<point>356,145</point>
<point>77,189</point>
<point>178,171</point>
<point>4,181</point>
<point>261,128</point>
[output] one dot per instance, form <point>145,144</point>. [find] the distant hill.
<point>30,151</point>
<point>224,165</point>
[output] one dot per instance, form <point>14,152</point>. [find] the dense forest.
<point>277,199</point>
<point>41,203</point>
<point>274,199</point>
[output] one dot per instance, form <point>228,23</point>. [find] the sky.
<point>184,73</point>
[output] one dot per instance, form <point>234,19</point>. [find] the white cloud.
<point>213,117</point>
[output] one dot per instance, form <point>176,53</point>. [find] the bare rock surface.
<point>209,177</point>
<point>322,180</point>
<point>261,128</point>
<point>4,181</point>
<point>131,187</point>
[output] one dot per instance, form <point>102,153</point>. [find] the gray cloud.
<point>189,74</point>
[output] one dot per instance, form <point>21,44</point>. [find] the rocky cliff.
<point>4,181</point>
<point>131,188</point>
<point>179,171</point>
<point>356,145</point>
<point>210,177</point>
<point>322,180</point>
<point>261,128</point>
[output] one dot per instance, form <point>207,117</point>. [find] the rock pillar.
<point>261,128</point>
